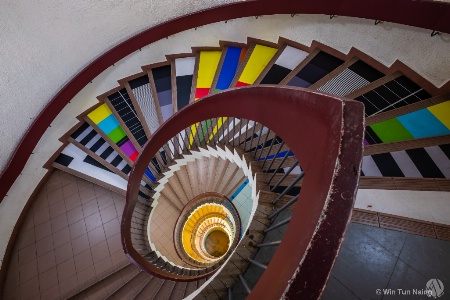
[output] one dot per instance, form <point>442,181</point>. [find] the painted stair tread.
<point>232,57</point>
<point>258,59</point>
<point>123,106</point>
<point>143,95</point>
<point>184,71</point>
<point>319,66</point>
<point>163,85</point>
<point>102,120</point>
<point>208,61</point>
<point>289,58</point>
<point>427,122</point>
<point>89,139</point>
<point>106,122</point>
<point>427,162</point>
<point>354,77</point>
<point>396,93</point>
<point>75,159</point>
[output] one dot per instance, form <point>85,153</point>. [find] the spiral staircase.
<point>194,146</point>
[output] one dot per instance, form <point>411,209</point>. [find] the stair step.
<point>129,289</point>
<point>206,64</point>
<point>151,289</point>
<point>124,109</point>
<point>183,70</point>
<point>285,60</point>
<point>256,59</point>
<point>104,286</point>
<point>312,69</point>
<point>230,60</point>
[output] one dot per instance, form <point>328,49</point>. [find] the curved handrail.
<point>424,14</point>
<point>326,134</point>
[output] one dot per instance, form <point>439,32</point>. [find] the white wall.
<point>49,42</point>
<point>422,205</point>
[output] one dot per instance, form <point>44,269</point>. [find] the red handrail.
<point>326,135</point>
<point>425,14</point>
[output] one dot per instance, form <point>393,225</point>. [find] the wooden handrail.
<point>326,135</point>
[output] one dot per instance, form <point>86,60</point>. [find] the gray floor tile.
<point>389,239</point>
<point>363,265</point>
<point>335,290</point>
<point>407,280</point>
<point>429,257</point>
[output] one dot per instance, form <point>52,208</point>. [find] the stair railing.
<point>325,133</point>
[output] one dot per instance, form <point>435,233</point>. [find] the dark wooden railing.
<point>326,135</point>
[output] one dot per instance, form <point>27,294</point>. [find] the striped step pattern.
<point>396,93</point>
<point>106,122</point>
<point>87,137</point>
<point>124,107</point>
<point>142,94</point>
<point>351,79</point>
<point>150,98</point>
<point>104,148</point>
<point>320,65</point>
<point>288,58</point>
<point>73,158</point>
<point>428,162</point>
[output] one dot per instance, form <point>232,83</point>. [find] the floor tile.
<point>77,229</point>
<point>46,261</point>
<point>96,236</point>
<point>407,279</point>
<point>28,271</point>
<point>74,215</point>
<point>90,208</point>
<point>60,222</point>
<point>66,269</point>
<point>44,245</point>
<point>48,279</point>
<point>430,257</point>
<point>335,290</point>
<point>29,289</point>
<point>83,260</point>
<point>80,244</point>
<point>63,253</point>
<point>363,265</point>
<point>72,201</point>
<point>57,209</point>
<point>41,215</point>
<point>27,254</point>
<point>389,239</point>
<point>43,230</point>
<point>61,237</point>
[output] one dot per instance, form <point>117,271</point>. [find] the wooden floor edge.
<point>398,223</point>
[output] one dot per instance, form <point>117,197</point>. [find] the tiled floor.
<point>70,235</point>
<point>373,258</point>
